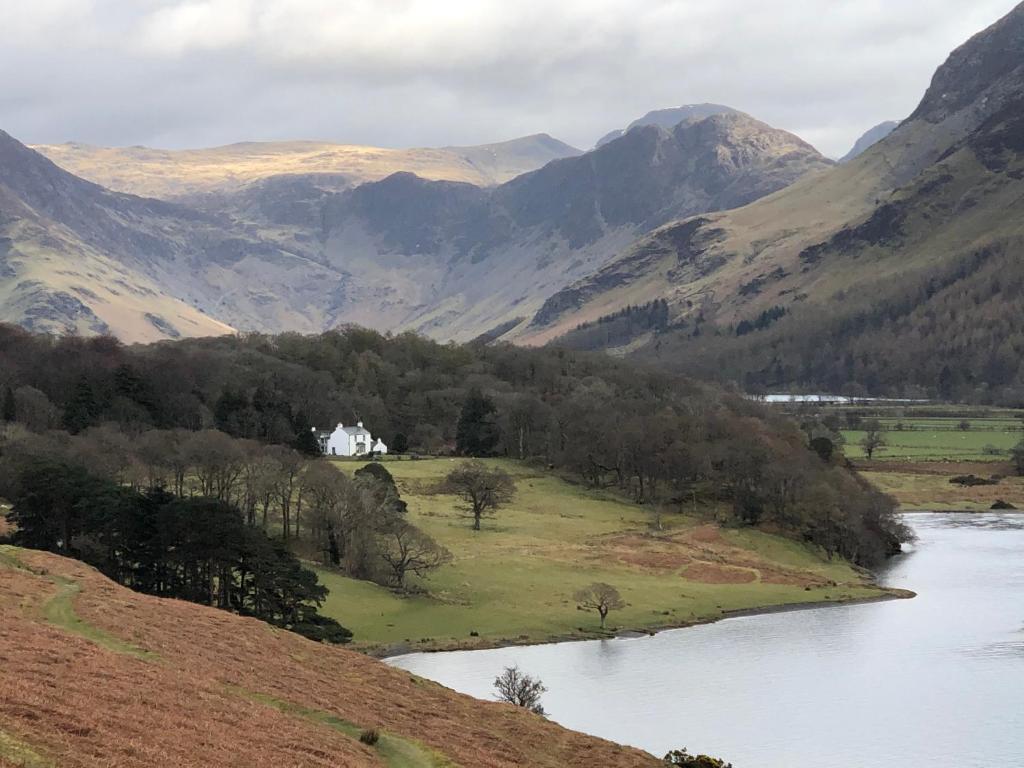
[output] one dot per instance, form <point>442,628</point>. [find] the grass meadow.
<point>513,581</point>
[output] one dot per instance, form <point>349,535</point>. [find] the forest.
<point>229,418</point>
<point>954,333</point>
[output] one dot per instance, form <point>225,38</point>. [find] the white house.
<point>349,441</point>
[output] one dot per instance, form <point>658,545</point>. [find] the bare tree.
<point>873,439</point>
<point>288,465</point>
<point>482,490</point>
<point>327,490</point>
<point>516,687</point>
<point>599,597</point>
<point>407,549</point>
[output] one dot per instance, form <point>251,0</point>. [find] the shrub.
<point>370,736</point>
<point>683,758</point>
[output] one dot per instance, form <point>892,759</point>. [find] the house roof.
<point>354,431</point>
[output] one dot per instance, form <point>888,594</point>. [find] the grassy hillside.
<point>95,675</point>
<point>513,581</point>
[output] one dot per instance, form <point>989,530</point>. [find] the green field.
<point>513,581</point>
<point>988,439</point>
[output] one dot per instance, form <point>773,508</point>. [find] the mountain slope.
<point>871,137</point>
<point>145,681</point>
<point>878,268</point>
<point>455,261</point>
<point>303,252</point>
<point>75,257</point>
<point>669,118</point>
<point>184,174</point>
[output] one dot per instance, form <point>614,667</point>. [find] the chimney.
<point>359,424</point>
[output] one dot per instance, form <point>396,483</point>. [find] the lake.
<point>931,682</point>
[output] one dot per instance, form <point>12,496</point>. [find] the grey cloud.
<point>181,73</point>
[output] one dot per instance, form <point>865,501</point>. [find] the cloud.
<point>416,72</point>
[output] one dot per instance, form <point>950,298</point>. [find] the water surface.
<point>933,682</point>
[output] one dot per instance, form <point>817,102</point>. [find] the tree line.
<point>356,524</point>
<point>192,548</point>
<point>664,440</point>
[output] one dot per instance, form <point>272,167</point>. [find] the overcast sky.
<point>187,73</point>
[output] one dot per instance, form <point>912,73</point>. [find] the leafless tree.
<point>873,439</point>
<point>481,489</point>
<point>599,597</point>
<point>407,549</point>
<point>516,687</point>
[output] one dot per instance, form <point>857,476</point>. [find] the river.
<point>932,682</point>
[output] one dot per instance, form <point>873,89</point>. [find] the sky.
<point>194,73</point>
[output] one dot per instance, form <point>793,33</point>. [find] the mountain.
<point>869,139</point>
<point>669,118</point>
<point>184,174</point>
<point>146,681</point>
<point>306,251</point>
<point>75,257</point>
<point>899,271</point>
<point>455,261</point>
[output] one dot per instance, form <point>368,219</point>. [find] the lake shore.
<point>396,650</point>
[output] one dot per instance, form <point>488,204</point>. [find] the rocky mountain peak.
<point>985,71</point>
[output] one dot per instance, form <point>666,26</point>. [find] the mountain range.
<point>308,251</point>
<point>698,237</point>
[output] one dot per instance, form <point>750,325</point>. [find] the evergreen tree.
<point>477,431</point>
<point>306,443</point>
<point>82,410</point>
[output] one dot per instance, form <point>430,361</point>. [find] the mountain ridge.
<point>190,173</point>
<point>893,235</point>
<point>306,252</point>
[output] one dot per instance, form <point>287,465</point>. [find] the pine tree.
<point>306,443</point>
<point>476,433</point>
<point>82,410</point>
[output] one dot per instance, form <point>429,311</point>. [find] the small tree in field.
<point>600,597</point>
<point>516,687</point>
<point>873,439</point>
<point>481,489</point>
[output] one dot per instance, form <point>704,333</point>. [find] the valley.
<point>388,440</point>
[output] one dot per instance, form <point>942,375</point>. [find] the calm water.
<point>933,682</point>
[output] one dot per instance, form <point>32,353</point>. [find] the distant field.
<point>919,490</point>
<point>941,439</point>
<point>513,581</point>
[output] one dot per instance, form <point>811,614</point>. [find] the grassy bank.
<point>513,581</point>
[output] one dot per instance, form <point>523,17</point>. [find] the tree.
<point>599,597</point>
<point>306,443</point>
<point>82,410</point>
<point>481,489</point>
<point>407,549</point>
<point>10,409</point>
<point>399,443</point>
<point>477,432</point>
<point>515,687</point>
<point>873,439</point>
